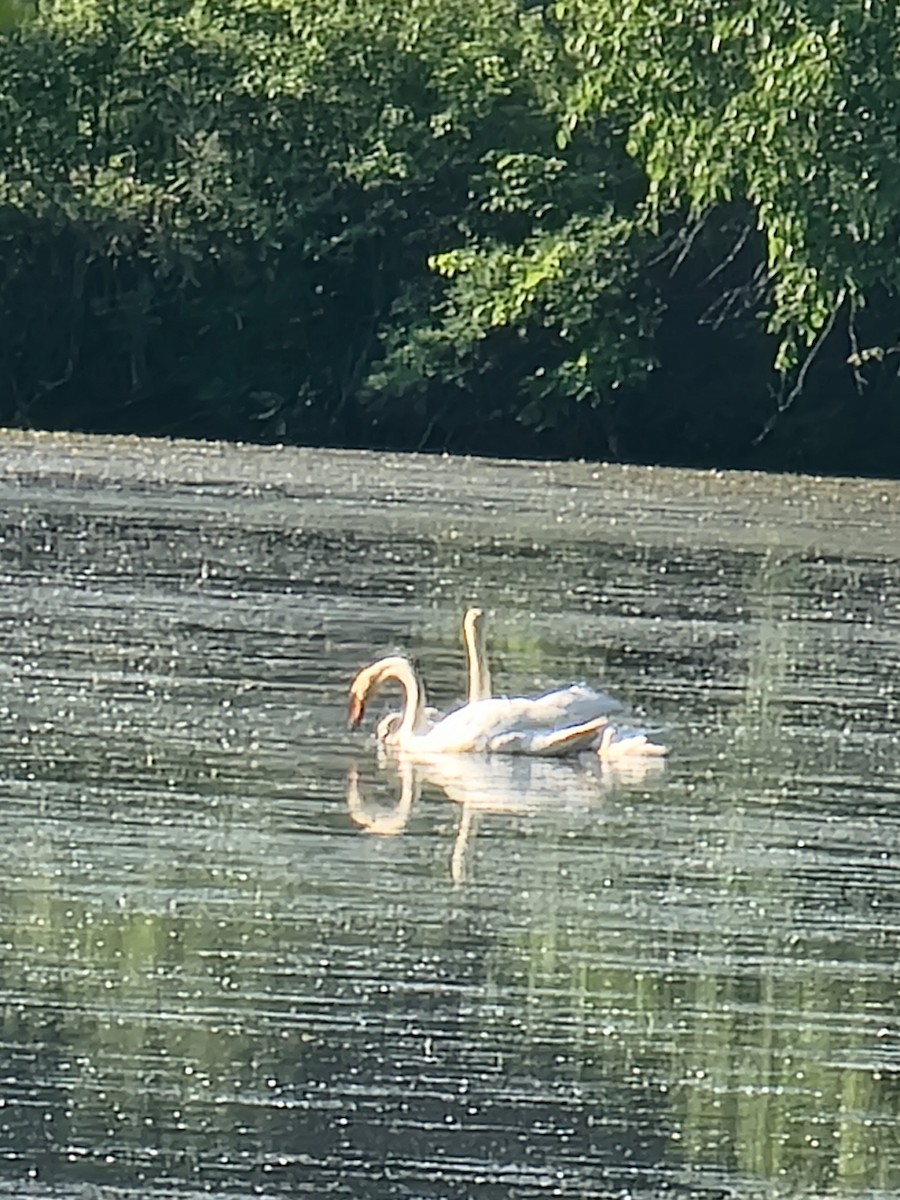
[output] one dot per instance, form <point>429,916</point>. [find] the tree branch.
<point>784,404</point>
<point>854,358</point>
<point>732,254</point>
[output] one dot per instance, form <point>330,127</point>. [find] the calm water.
<point>242,956</point>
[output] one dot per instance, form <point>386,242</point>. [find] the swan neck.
<point>476,656</point>
<point>414,698</point>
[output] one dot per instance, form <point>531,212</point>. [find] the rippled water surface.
<point>241,955</point>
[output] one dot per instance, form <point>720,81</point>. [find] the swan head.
<point>386,729</point>
<point>367,681</point>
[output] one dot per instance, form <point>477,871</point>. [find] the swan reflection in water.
<point>491,784</point>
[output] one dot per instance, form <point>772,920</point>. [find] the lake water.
<point>241,956</point>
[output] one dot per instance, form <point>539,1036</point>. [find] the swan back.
<point>505,725</point>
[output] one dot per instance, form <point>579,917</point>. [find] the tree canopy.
<point>661,231</point>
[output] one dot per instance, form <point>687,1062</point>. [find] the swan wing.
<point>548,743</point>
<point>573,705</point>
<point>520,725</point>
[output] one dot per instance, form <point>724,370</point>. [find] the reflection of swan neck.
<point>393,821</point>
<point>476,655</point>
<point>458,857</point>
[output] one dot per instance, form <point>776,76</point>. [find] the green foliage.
<point>454,224</point>
<point>791,107</point>
<point>559,300</point>
<point>243,192</point>
<point>15,12</point>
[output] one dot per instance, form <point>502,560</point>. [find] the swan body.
<point>575,705</point>
<point>386,729</point>
<point>496,725</point>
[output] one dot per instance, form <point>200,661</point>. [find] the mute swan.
<point>499,725</point>
<point>570,705</point>
<point>573,705</point>
<point>561,706</point>
<point>619,745</point>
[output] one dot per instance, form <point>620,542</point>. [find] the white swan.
<point>616,745</point>
<point>569,705</point>
<point>499,725</point>
<point>575,702</point>
<point>572,705</point>
<point>556,709</point>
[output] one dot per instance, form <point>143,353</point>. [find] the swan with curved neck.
<point>498,725</point>
<point>371,679</point>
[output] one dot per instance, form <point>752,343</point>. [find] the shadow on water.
<point>242,955</point>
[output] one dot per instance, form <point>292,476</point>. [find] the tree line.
<point>657,230</point>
